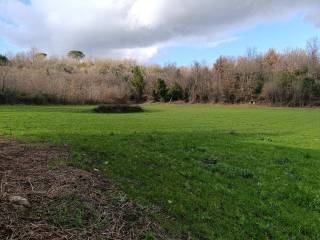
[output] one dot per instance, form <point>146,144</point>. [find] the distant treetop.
<point>75,54</point>
<point>3,60</point>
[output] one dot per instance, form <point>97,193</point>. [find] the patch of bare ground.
<point>39,202</point>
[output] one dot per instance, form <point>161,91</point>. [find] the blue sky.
<point>291,33</point>
<point>154,31</point>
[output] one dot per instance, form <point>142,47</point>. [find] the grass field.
<point>216,172</point>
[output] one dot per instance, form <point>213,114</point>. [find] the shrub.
<point>175,92</point>
<point>7,97</point>
<point>159,92</point>
<point>14,97</point>
<point>118,108</point>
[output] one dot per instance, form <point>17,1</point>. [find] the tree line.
<point>290,78</point>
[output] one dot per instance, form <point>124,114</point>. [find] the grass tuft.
<point>282,160</point>
<point>231,171</point>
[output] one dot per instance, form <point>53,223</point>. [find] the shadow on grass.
<point>211,184</point>
<point>69,109</point>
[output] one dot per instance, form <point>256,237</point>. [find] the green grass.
<point>216,172</point>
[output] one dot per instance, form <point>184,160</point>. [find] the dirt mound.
<point>62,202</point>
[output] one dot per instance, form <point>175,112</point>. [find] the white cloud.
<point>140,54</point>
<point>133,28</point>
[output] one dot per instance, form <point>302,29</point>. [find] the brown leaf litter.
<point>38,202</point>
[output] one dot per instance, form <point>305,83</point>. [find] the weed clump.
<point>282,160</point>
<point>119,108</point>
<point>231,171</point>
<point>68,211</point>
<point>209,160</point>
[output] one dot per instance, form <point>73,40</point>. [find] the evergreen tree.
<point>137,84</point>
<point>160,90</point>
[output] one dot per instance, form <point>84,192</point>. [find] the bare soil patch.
<point>64,202</point>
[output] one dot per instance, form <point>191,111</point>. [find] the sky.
<point>157,31</point>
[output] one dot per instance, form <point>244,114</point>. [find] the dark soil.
<point>66,203</point>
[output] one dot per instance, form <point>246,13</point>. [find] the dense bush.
<point>175,92</point>
<point>13,97</point>
<point>159,92</point>
<point>118,108</point>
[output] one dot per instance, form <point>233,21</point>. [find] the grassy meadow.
<point>215,172</point>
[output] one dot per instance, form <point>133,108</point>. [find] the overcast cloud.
<point>136,28</point>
